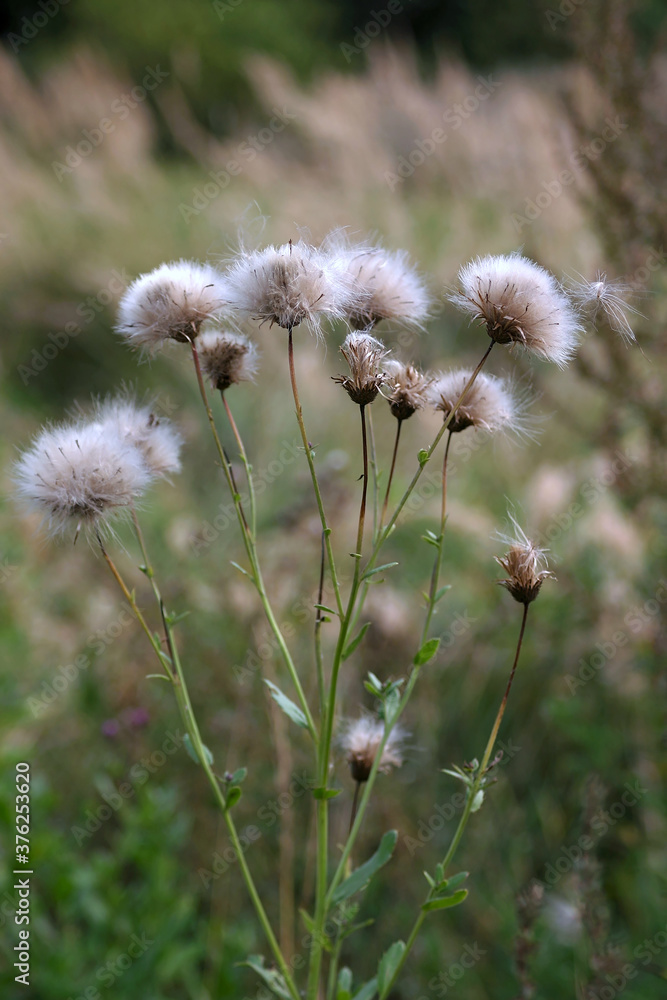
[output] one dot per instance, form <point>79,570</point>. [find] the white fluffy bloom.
<point>491,404</point>
<point>525,564</point>
<point>520,303</point>
<point>156,438</point>
<point>390,288</point>
<point>170,302</point>
<point>607,297</point>
<point>81,474</point>
<point>360,741</point>
<point>227,358</point>
<point>291,284</point>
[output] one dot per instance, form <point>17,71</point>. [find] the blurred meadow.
<point>449,132</point>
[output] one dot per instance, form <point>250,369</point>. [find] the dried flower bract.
<point>360,741</point>
<point>171,302</point>
<point>80,474</point>
<point>389,287</point>
<point>291,284</point>
<point>227,358</point>
<point>519,302</point>
<point>409,388</point>
<point>525,564</point>
<point>155,437</point>
<point>364,355</point>
<point>491,404</point>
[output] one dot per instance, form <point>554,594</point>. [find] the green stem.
<point>247,466</point>
<point>187,715</point>
<point>472,794</point>
<point>437,562</point>
<point>399,424</point>
<point>313,474</point>
<point>374,469</point>
<point>250,542</point>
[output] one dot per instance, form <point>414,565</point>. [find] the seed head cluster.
<point>519,302</point>
<point>360,741</point>
<point>227,358</point>
<point>84,473</point>
<point>491,404</point>
<point>408,388</point>
<point>388,288</point>
<point>525,564</point>
<point>364,354</point>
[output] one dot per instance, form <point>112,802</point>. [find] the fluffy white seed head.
<point>525,564</point>
<point>408,388</point>
<point>364,354</point>
<point>491,404</point>
<point>389,286</point>
<point>155,437</point>
<point>227,358</point>
<point>519,302</point>
<point>80,474</point>
<point>170,303</point>
<point>360,741</point>
<point>291,284</point>
<point>609,298</point>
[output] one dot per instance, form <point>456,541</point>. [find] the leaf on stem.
<point>445,902</point>
<point>423,457</point>
<point>162,677</point>
<point>367,991</point>
<point>289,708</point>
<point>326,793</point>
<point>388,965</point>
<point>271,977</point>
<point>427,652</point>
<point>363,874</point>
<point>344,988</point>
<point>191,752</point>
<point>232,796</point>
<point>378,569</point>
<point>349,650</point>
<point>239,775</point>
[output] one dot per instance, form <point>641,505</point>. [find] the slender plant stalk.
<point>319,619</point>
<point>470,800</point>
<point>246,464</point>
<point>313,475</point>
<point>251,547</point>
<point>374,470</point>
<point>399,424</point>
<point>437,562</point>
<point>190,723</point>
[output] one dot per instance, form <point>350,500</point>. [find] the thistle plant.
<point>82,476</point>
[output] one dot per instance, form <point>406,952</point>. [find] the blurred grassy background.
<point>70,240</point>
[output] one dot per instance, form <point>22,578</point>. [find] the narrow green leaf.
<point>191,752</point>
<point>239,775</point>
<point>287,705</point>
<point>241,570</point>
<point>308,921</point>
<point>388,965</point>
<point>441,592</point>
<point>367,991</point>
<point>430,880</point>
<point>445,902</point>
<point>162,677</point>
<point>423,457</point>
<point>273,979</point>
<point>359,878</point>
<point>454,882</point>
<point>326,793</point>
<point>233,795</point>
<point>323,607</point>
<point>177,616</point>
<point>378,569</point>
<point>374,682</point>
<point>427,652</point>
<point>349,650</point>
